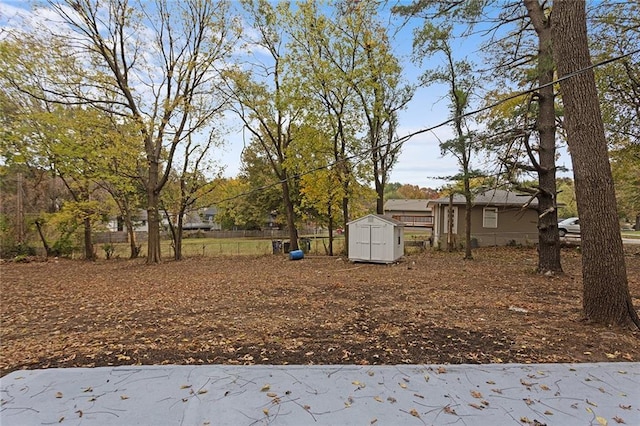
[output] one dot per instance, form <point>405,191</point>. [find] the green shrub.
<point>63,248</point>
<point>13,251</point>
<point>109,250</point>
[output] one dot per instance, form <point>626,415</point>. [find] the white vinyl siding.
<point>374,238</point>
<point>490,217</point>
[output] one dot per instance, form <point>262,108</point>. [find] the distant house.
<point>414,213</point>
<point>139,219</point>
<point>497,218</point>
<point>201,219</point>
<point>376,239</point>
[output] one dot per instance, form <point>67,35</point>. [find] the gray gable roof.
<point>492,197</point>
<point>414,205</point>
<point>382,217</point>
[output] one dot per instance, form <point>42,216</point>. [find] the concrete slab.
<point>496,394</point>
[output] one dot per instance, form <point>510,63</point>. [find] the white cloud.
<point>420,162</point>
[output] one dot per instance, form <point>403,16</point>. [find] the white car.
<point>569,226</point>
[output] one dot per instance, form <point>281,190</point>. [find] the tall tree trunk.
<point>47,248</point>
<point>606,297</point>
<point>291,218</point>
<point>19,209</point>
<point>134,250</point>
<point>467,217</point>
<point>330,213</point>
<point>548,238</point>
<point>379,175</point>
<point>128,223</point>
<point>466,182</point>
<point>380,199</point>
<point>153,214</point>
<point>449,223</point>
<point>177,238</point>
<point>345,218</point>
<point>89,253</point>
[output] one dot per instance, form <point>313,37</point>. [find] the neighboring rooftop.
<point>492,197</point>
<point>410,205</point>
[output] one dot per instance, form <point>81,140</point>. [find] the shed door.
<point>377,243</point>
<point>363,242</point>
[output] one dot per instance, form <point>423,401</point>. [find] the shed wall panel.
<point>372,239</point>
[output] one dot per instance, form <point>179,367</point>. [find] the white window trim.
<point>490,217</point>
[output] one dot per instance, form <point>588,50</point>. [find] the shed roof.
<point>413,205</point>
<point>492,197</point>
<point>382,217</point>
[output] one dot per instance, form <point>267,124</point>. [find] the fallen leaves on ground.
<point>319,310</point>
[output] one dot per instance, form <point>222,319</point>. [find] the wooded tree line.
<point>122,103</point>
<point>315,88</point>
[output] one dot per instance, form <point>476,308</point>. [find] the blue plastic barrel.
<point>296,255</point>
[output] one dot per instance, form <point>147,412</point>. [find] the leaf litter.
<point>269,310</point>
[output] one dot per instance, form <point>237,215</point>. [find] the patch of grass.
<point>192,247</point>
<point>630,234</point>
<point>417,234</point>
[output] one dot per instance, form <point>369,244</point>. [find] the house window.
<point>490,217</point>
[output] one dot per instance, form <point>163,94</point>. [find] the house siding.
<point>515,226</point>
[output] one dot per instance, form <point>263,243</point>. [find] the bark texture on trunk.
<point>545,165</point>
<point>380,199</point>
<point>345,219</point>
<point>153,242</point>
<point>330,215</point>
<point>291,219</point>
<point>379,182</point>
<point>89,252</point>
<point>606,297</point>
<point>177,238</point>
<point>450,242</point>
<point>468,255</point>
<point>46,246</point>
<point>134,250</point>
<point>153,214</point>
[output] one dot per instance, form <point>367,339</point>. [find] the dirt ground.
<point>431,308</point>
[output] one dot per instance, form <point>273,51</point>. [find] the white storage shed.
<point>376,238</point>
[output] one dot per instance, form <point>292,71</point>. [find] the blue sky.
<point>420,162</point>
